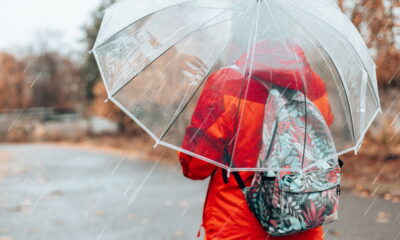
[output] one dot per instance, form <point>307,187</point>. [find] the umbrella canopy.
<point>167,64</point>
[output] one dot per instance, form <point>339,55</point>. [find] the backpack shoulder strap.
<point>236,175</point>
<point>239,180</point>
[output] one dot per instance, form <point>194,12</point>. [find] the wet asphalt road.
<point>54,192</point>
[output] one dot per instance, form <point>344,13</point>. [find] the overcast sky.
<point>21,21</point>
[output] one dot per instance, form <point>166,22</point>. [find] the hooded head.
<point>283,63</point>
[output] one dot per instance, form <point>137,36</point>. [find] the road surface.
<point>58,192</point>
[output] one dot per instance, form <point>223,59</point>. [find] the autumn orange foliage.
<point>379,23</point>
<point>12,86</point>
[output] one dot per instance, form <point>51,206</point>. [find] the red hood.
<point>282,63</point>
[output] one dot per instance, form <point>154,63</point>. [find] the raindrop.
<point>99,213</point>
<point>144,221</point>
<point>178,233</point>
<point>382,217</point>
<point>141,185</point>
<point>183,204</point>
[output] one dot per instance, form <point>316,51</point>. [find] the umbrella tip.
<point>107,100</point>
<point>156,145</point>
<point>228,172</point>
<point>91,51</point>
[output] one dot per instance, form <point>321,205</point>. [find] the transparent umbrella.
<point>204,77</point>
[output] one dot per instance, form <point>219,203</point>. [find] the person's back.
<point>226,213</point>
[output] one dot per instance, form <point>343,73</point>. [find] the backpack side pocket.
<point>263,198</point>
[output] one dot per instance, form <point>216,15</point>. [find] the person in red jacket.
<point>212,132</point>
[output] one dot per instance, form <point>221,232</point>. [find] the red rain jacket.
<point>226,214</point>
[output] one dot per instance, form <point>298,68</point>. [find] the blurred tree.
<point>89,70</point>
<point>44,80</point>
<point>379,23</point>
<point>53,81</point>
<point>12,86</point>
<point>95,91</point>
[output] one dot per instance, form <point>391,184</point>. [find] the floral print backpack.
<point>287,202</point>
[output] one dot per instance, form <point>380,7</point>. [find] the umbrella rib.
<point>201,27</point>
<point>304,89</point>
<point>197,89</point>
<point>250,60</point>
<point>215,8</point>
<point>348,41</point>
<point>176,5</point>
<point>102,73</point>
<point>337,70</point>
<point>377,100</point>
<point>122,29</point>
<point>122,40</point>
